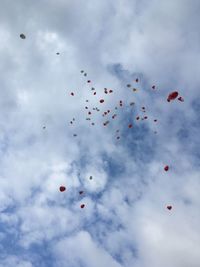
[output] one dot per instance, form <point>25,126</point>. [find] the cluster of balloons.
<point>171,96</point>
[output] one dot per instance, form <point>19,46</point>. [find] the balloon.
<point>62,188</point>
<point>166,168</point>
<point>172,96</point>
<point>22,36</point>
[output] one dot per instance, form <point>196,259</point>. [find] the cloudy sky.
<point>125,221</point>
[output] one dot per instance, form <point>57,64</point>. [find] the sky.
<point>125,221</point>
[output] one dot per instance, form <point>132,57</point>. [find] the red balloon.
<point>62,188</point>
<point>172,96</point>
<point>101,100</point>
<point>82,206</point>
<point>94,93</point>
<point>110,91</point>
<point>166,168</point>
<point>130,126</point>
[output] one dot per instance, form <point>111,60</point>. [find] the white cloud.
<point>88,253</point>
<point>125,221</point>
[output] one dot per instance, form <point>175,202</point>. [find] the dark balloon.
<point>166,168</point>
<point>114,116</point>
<point>62,188</point>
<point>169,207</point>
<point>101,101</point>
<point>22,36</point>
<point>82,206</point>
<point>105,123</point>
<point>181,99</point>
